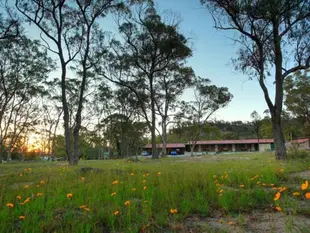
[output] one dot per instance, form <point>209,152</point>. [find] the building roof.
<point>243,141</point>
<point>218,142</point>
<point>301,140</point>
<point>169,145</point>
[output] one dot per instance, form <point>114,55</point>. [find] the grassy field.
<point>223,193</point>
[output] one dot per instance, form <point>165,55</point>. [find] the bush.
<point>295,153</point>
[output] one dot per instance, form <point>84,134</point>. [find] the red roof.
<point>301,140</point>
<point>243,141</point>
<point>169,145</point>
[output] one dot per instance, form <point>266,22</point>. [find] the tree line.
<point>119,89</point>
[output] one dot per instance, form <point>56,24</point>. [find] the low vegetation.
<point>202,194</point>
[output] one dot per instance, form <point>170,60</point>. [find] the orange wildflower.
<point>42,182</point>
<point>18,197</point>
<point>127,203</point>
<point>116,213</point>
<point>39,194</point>
<point>258,182</point>
<point>271,185</point>
<point>281,189</point>
<point>83,178</point>
<point>296,194</point>
<point>113,194</point>
<point>21,217</point>
<point>278,208</point>
<point>38,186</point>
<point>10,205</point>
<point>132,174</point>
<point>133,189</point>
<point>143,181</point>
<point>263,184</point>
<point>69,195</point>
<point>144,188</point>
<point>254,177</point>
<point>305,185</point>
<point>26,186</point>
<point>173,211</point>
<point>86,209</point>
<point>307,195</point>
<point>220,221</point>
<point>241,186</point>
<point>115,182</point>
<point>282,170</point>
<point>27,200</point>
<point>83,206</point>
<point>230,223</point>
<point>277,196</point>
<point>158,173</point>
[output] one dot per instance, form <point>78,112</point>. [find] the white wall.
<point>264,147</point>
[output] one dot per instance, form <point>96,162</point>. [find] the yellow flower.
<point>132,174</point>
<point>10,205</point>
<point>115,182</point>
<point>27,200</point>
<point>113,194</point>
<point>258,182</point>
<point>230,223</point>
<point>38,186</point>
<point>69,195</point>
<point>22,217</point>
<point>278,208</point>
<point>27,186</point>
<point>83,206</point>
<point>158,173</point>
<point>221,190</point>
<point>254,177</point>
<point>20,174</point>
<point>133,189</point>
<point>86,209</point>
<point>82,178</point>
<point>282,170</point>
<point>116,213</point>
<point>296,194</point>
<point>271,185</point>
<point>263,184</point>
<point>173,211</point>
<point>220,221</point>
<point>42,182</point>
<point>241,186</point>
<point>143,181</point>
<point>144,188</point>
<point>277,196</point>
<point>18,197</point>
<point>39,194</point>
<point>307,195</point>
<point>127,203</point>
<point>304,186</point>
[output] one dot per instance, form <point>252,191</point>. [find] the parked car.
<point>145,153</point>
<point>174,153</point>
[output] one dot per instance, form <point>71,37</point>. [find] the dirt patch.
<point>256,222</point>
<point>303,175</point>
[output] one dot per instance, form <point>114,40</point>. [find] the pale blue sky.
<point>212,53</point>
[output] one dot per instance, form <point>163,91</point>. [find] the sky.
<point>212,54</point>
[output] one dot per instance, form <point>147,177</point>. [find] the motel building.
<point>246,145</point>
<point>228,146</point>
